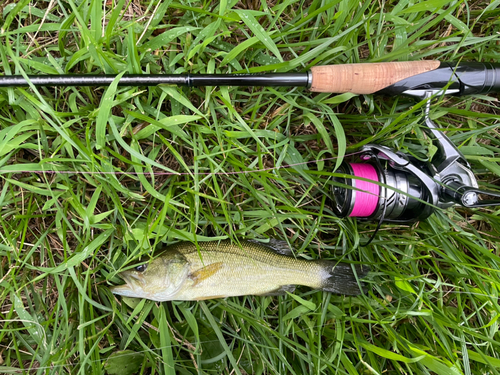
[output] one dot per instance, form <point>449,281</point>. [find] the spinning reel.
<point>411,190</point>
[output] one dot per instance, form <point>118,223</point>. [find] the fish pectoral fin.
<point>205,272</point>
<point>280,291</point>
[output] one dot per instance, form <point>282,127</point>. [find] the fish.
<point>229,269</point>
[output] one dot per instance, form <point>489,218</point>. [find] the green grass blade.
<point>259,32</point>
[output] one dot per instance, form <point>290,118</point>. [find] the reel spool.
<point>368,200</point>
<point>405,190</point>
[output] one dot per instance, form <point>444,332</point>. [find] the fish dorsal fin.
<point>278,246</point>
<point>205,272</point>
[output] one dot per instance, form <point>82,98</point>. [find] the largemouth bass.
<point>229,269</point>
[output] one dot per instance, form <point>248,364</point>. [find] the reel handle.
<point>468,196</point>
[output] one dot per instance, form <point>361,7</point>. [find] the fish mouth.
<point>131,288</point>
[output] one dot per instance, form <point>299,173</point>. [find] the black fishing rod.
<point>413,78</point>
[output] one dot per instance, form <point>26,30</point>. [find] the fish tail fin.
<point>342,278</point>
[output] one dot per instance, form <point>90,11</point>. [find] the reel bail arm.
<point>458,183</point>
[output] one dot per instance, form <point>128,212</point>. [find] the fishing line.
<point>384,201</point>
<point>367,196</point>
<point>155,173</point>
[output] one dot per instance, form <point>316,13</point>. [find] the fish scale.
<point>256,271</point>
<point>251,268</point>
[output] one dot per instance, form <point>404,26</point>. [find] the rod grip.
<point>365,78</point>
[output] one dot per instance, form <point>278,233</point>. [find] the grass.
<point>68,223</point>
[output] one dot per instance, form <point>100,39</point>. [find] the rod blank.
<point>271,79</point>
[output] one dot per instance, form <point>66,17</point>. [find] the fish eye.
<point>141,267</point>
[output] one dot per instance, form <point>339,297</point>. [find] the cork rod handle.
<point>365,78</point>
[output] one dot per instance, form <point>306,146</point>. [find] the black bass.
<point>230,269</point>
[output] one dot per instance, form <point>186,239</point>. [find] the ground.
<point>91,179</point>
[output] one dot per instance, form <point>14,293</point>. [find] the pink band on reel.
<point>365,203</point>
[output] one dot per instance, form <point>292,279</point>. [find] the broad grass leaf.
<point>170,123</point>
<point>161,41</point>
<point>32,325</point>
<point>204,37</point>
<point>39,66</point>
<point>124,362</point>
<point>222,7</point>
<point>193,324</point>
<point>493,167</point>
<point>13,13</point>
<point>482,358</point>
<point>178,96</point>
<point>8,139</point>
<point>140,313</point>
<point>337,99</point>
<point>79,257</point>
<point>32,10</point>
<point>17,143</point>
<point>457,23</point>
<point>220,336</point>
<point>259,32</point>
<point>96,13</point>
<point>309,304</point>
<point>435,365</point>
<point>351,370</point>
<point>294,159</point>
<point>115,14</point>
<point>269,224</point>
<point>34,189</point>
<point>238,49</point>
<point>11,370</point>
<point>428,5</point>
<point>105,111</point>
<point>476,150</point>
<point>133,149</point>
<point>296,312</point>
<point>388,354</point>
<point>325,135</point>
<point>340,137</point>
<point>404,285</point>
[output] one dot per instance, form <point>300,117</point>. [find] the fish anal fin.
<point>280,291</point>
<point>278,246</point>
<point>205,272</point>
<point>208,297</point>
